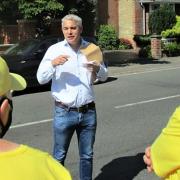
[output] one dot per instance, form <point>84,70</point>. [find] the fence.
<point>25,29</point>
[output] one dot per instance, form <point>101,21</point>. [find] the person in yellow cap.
<point>17,161</point>
<point>163,156</point>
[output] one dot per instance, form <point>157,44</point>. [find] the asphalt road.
<point>133,106</point>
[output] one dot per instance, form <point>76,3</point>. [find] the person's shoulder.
<point>35,152</point>
<point>85,44</point>
<point>58,170</point>
<point>90,39</point>
<point>57,45</point>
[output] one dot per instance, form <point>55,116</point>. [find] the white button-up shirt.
<point>71,82</point>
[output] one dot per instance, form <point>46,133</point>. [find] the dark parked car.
<point>24,57</point>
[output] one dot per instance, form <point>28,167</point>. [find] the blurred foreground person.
<point>17,161</point>
<point>163,157</point>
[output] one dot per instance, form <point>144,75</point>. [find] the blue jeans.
<point>65,123</point>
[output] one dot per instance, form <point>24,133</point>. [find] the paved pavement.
<point>116,70</point>
<point>141,65</point>
<point>40,135</point>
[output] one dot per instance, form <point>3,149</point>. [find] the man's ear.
<point>4,112</point>
<point>81,29</point>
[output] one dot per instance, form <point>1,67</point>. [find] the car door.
<point>37,56</point>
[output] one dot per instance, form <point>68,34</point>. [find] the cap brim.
<point>17,82</point>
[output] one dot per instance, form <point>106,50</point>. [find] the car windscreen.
<point>22,48</point>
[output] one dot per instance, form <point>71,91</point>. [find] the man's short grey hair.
<point>72,17</point>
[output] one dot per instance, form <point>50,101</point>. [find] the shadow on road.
<point>32,90</point>
<point>150,61</point>
<point>109,79</point>
<point>123,168</point>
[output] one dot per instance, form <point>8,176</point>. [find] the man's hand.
<point>60,60</point>
<point>93,67</point>
<point>147,159</point>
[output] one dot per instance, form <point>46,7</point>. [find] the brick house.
<point>130,17</point>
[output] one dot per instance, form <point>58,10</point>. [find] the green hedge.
<point>107,39</point>
<point>174,32</point>
<point>142,40</point>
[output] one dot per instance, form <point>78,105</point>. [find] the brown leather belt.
<point>81,109</point>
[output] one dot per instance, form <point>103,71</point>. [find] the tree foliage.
<point>45,10</point>
<point>162,19</point>
<point>10,10</point>
<point>40,8</point>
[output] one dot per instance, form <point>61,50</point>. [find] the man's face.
<point>5,114</point>
<point>72,32</point>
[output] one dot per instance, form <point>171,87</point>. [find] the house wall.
<point>8,34</point>
<point>113,17</point>
<point>130,19</point>
<point>107,13</point>
<point>125,15</point>
<point>102,12</point>
<point>25,29</point>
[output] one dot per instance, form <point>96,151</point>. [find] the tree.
<point>9,11</point>
<point>40,8</point>
<point>46,10</point>
<point>162,19</point>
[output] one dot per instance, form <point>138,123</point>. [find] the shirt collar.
<point>83,43</point>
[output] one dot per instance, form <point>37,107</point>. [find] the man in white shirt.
<point>72,78</point>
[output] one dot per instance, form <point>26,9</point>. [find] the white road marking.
<point>30,123</point>
<point>116,107</point>
<point>147,101</point>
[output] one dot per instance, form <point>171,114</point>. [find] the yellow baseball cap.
<point>9,81</point>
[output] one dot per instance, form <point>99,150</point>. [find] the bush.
<point>162,19</point>
<point>124,44</point>
<point>174,32</point>
<point>107,37</point>
<point>145,52</point>
<point>142,40</point>
<point>40,8</point>
<point>171,49</point>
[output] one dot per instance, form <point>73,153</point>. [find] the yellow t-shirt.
<point>165,151</point>
<point>26,163</point>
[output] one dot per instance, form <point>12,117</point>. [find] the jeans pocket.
<point>60,112</point>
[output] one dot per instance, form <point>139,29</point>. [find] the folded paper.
<point>92,53</point>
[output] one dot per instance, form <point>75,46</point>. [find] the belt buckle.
<point>82,109</point>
